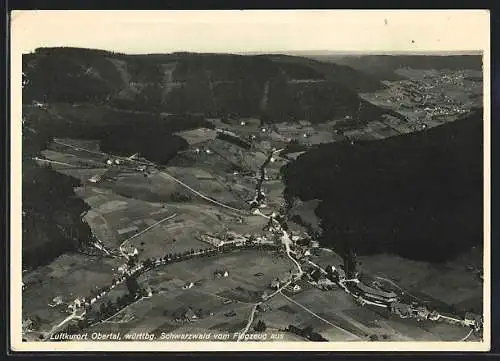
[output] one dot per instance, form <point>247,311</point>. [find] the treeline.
<point>51,222</point>
<point>208,84</point>
<point>419,195</point>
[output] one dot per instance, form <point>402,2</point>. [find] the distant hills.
<point>418,195</point>
<point>383,67</point>
<point>276,88</point>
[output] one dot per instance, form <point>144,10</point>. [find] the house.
<point>275,284</point>
<point>403,310</point>
<point>221,274</point>
<point>27,325</point>
<point>131,251</point>
<point>95,178</point>
<point>315,275</point>
<point>37,104</point>
<point>185,314</point>
<point>422,312</point>
<point>434,315</point>
<point>325,283</point>
<point>56,301</point>
<point>263,307</point>
<point>375,293</point>
<point>190,314</point>
<point>294,288</point>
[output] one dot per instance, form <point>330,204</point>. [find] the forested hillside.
<point>418,195</point>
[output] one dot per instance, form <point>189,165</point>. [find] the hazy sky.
<point>252,30</point>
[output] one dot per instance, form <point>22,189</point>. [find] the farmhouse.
<point>184,314</point>
<point>473,320</point>
<point>95,178</point>
<point>403,310</point>
<point>221,274</point>
<point>56,301</point>
<point>214,241</point>
<point>127,230</point>
<point>422,312</point>
<point>376,294</point>
<point>275,284</point>
<point>325,283</point>
<point>27,325</point>
<point>37,104</point>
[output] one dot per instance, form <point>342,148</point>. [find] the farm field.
<point>221,305</point>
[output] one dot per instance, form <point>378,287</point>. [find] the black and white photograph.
<point>250,180</point>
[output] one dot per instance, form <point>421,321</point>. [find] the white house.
<point>95,178</point>
<point>295,288</point>
<point>275,284</point>
<point>56,301</point>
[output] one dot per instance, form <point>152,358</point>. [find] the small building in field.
<point>275,284</point>
<point>56,301</point>
<point>295,288</point>
<point>403,310</point>
<point>95,178</point>
<point>325,283</point>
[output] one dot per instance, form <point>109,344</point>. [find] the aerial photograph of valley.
<point>271,197</point>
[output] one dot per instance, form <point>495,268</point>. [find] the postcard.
<point>250,180</point>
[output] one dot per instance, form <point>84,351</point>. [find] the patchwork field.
<point>221,304</point>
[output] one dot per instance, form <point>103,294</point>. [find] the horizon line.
<point>283,52</point>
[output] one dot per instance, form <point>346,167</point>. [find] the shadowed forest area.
<point>419,195</point>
